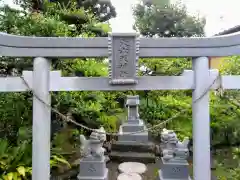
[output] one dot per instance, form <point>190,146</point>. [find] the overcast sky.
<point>220,14</point>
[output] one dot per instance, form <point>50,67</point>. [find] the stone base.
<point>139,137</point>
<point>92,169</point>
<point>132,126</point>
<point>174,170</point>
<point>105,177</point>
<point>126,127</point>
<point>160,177</point>
<point>135,121</point>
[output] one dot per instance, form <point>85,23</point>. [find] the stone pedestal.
<point>126,129</point>
<point>174,170</point>
<point>93,169</point>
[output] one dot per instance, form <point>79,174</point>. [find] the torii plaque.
<point>123,54</point>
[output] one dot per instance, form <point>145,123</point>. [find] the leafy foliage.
<point>163,19</point>
<point>89,108</point>
<point>77,19</point>
<point>102,11</point>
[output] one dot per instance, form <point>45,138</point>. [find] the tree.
<point>89,108</point>
<point>51,22</point>
<point>73,12</point>
<point>163,19</point>
<point>102,10</point>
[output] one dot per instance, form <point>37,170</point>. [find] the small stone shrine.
<point>174,163</point>
<point>133,147</point>
<point>133,124</point>
<point>93,163</point>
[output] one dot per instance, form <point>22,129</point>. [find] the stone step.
<point>132,157</point>
<point>123,146</point>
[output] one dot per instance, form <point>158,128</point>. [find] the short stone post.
<point>133,124</point>
<point>93,164</point>
<point>174,163</point>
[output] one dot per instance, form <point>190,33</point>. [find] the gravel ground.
<point>149,175</point>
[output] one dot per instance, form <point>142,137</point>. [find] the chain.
<point>67,119</point>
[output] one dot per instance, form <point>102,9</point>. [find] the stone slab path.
<point>132,167</point>
<point>150,174</point>
<point>129,176</point>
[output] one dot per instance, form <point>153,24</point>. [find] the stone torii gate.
<point>123,51</point>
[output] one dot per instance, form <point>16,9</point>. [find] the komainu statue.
<point>181,151</point>
<point>93,146</point>
<point>84,146</point>
<point>169,139</point>
<point>102,134</point>
<point>174,149</point>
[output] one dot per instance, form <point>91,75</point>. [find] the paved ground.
<point>151,173</point>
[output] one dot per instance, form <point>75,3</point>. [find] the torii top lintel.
<point>71,47</point>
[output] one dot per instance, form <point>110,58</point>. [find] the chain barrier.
<point>67,119</point>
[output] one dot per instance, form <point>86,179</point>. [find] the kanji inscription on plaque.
<point>123,57</point>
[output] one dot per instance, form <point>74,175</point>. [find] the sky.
<point>219,14</point>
